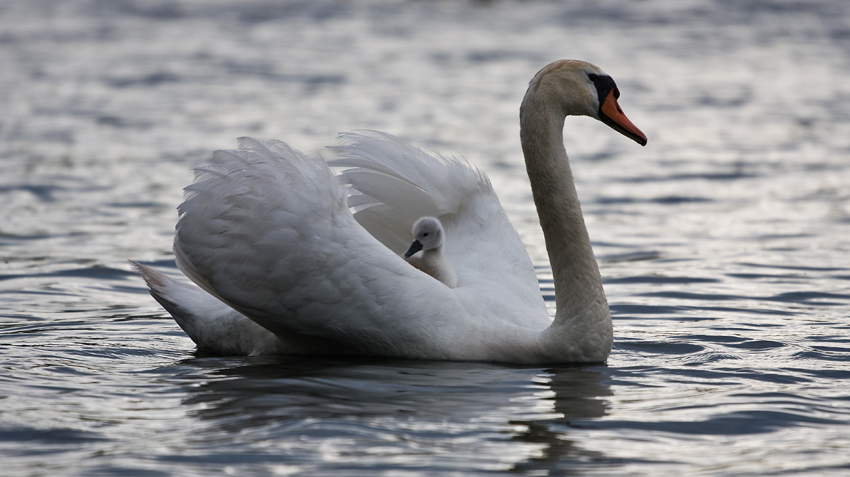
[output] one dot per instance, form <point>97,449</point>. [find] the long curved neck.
<point>578,285</point>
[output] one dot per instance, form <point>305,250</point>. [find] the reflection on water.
<point>463,416</point>
<point>723,244</point>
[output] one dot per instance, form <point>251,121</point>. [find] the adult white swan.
<point>268,234</point>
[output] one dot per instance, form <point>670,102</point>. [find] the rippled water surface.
<point>723,244</point>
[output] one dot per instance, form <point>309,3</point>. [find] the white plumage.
<point>285,267</point>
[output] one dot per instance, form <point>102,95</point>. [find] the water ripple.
<point>722,244</point>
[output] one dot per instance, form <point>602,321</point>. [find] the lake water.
<point>723,243</point>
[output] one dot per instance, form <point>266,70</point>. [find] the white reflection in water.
<point>465,416</point>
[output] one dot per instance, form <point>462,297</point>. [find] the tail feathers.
<point>157,283</point>
<point>211,324</point>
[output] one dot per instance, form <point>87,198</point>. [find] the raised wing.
<point>392,184</point>
<point>268,231</point>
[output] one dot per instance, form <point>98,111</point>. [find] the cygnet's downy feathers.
<point>428,236</point>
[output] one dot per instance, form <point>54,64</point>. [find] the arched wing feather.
<point>267,230</point>
<point>392,184</point>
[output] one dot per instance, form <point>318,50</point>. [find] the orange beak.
<point>611,114</point>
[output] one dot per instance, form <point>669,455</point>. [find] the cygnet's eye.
<point>425,234</point>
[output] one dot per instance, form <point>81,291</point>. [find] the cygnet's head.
<point>428,234</point>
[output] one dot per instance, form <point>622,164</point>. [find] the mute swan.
<point>268,234</point>
<point>428,236</point>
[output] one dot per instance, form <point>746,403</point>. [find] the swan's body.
<point>268,234</point>
<point>428,236</point>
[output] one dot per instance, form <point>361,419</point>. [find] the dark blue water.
<point>723,244</point>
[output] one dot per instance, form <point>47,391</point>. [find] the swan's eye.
<point>425,234</point>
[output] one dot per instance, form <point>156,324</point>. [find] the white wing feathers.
<point>393,184</point>
<point>251,197</point>
<point>268,231</point>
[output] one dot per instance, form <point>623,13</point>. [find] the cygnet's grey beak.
<point>414,247</point>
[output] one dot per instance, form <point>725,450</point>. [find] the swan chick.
<point>428,236</point>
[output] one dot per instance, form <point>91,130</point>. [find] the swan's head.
<point>428,234</point>
<point>578,88</point>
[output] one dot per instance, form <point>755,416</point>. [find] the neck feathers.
<point>578,285</point>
